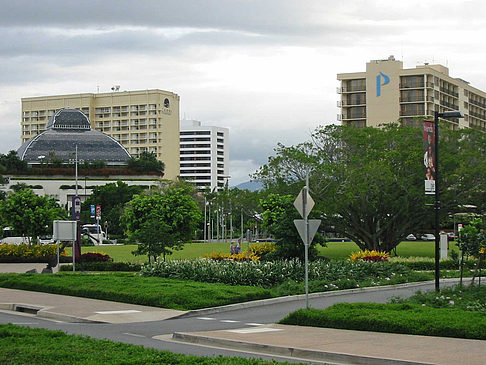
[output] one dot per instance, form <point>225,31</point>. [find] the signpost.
<point>98,217</point>
<point>307,228</point>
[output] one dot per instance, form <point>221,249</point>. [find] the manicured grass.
<point>342,250</point>
<point>123,253</point>
<point>403,318</point>
<point>23,345</point>
<point>132,288</point>
<point>334,250</point>
<point>454,312</point>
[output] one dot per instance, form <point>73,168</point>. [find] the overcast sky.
<point>264,68</point>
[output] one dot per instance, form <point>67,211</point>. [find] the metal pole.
<point>76,182</point>
<point>306,243</point>
<point>437,201</point>
<point>205,228</point>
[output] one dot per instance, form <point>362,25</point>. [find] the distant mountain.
<point>252,185</point>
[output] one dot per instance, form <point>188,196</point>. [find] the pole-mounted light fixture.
<point>437,115</point>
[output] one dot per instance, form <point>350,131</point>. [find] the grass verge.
<point>134,289</point>
<point>458,312</point>
<point>23,345</point>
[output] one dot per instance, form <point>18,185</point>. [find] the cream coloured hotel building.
<point>146,120</point>
<point>387,92</point>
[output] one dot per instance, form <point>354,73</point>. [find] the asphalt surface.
<point>230,330</point>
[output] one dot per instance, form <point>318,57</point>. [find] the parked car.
<point>428,237</point>
<point>451,235</point>
<point>411,237</point>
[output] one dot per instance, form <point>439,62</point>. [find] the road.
<point>142,333</point>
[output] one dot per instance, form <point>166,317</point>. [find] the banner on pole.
<point>429,156</point>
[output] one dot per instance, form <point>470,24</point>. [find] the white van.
<point>91,231</point>
<point>10,236</point>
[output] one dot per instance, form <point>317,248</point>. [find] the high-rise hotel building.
<point>146,120</point>
<point>204,154</point>
<point>387,93</point>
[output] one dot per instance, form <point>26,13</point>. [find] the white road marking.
<point>254,324</point>
<point>254,330</point>
<point>229,321</point>
<point>23,323</point>
<point>206,318</point>
<point>133,334</point>
<point>119,312</point>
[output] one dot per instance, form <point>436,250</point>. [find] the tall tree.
<point>112,197</point>
<point>162,221</point>
<point>29,214</point>
<point>367,182</point>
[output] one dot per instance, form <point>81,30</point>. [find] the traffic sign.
<point>313,226</point>
<point>304,200</point>
<point>98,211</point>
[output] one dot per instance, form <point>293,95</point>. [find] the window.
<point>220,134</point>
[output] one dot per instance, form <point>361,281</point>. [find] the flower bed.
<point>271,273</point>
<point>29,253</point>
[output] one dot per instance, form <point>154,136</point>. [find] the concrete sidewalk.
<point>75,309</point>
<point>343,346</point>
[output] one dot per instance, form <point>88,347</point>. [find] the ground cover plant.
<point>273,273</point>
<point>24,345</point>
<point>132,288</point>
<point>457,312</point>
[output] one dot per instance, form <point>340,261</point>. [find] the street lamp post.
<point>437,115</point>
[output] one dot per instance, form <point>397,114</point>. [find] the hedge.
<point>104,266</point>
<point>405,318</point>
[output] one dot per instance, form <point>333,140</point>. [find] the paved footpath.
<point>75,309</point>
<point>344,346</point>
<point>300,343</point>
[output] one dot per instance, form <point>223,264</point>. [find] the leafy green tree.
<point>147,162</point>
<point>162,221</point>
<point>29,214</point>
<point>112,197</point>
<point>367,183</point>
<point>472,242</point>
<point>278,218</point>
<point>11,163</point>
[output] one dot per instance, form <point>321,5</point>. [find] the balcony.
<point>412,85</point>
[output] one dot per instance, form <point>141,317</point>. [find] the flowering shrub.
<point>367,255</point>
<point>271,273</point>
<point>262,248</point>
<point>94,257</point>
<point>28,251</point>
<point>218,256</point>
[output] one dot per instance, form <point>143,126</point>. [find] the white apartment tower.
<point>386,93</point>
<point>204,154</point>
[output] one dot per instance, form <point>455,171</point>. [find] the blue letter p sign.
<point>380,83</point>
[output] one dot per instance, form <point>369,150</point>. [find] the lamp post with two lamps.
<point>437,115</point>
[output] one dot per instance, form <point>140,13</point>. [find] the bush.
<point>368,255</point>
<point>268,274</point>
<point>103,266</point>
<point>403,318</point>
<point>27,251</point>
<point>219,256</point>
<point>94,257</point>
<point>425,263</point>
<point>262,249</point>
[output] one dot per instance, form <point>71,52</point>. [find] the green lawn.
<point>342,250</point>
<point>457,312</point>
<point>135,289</point>
<point>123,253</point>
<point>24,345</point>
<point>334,250</point>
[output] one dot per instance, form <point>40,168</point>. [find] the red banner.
<point>429,156</point>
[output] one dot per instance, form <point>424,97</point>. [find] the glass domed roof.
<point>67,129</point>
